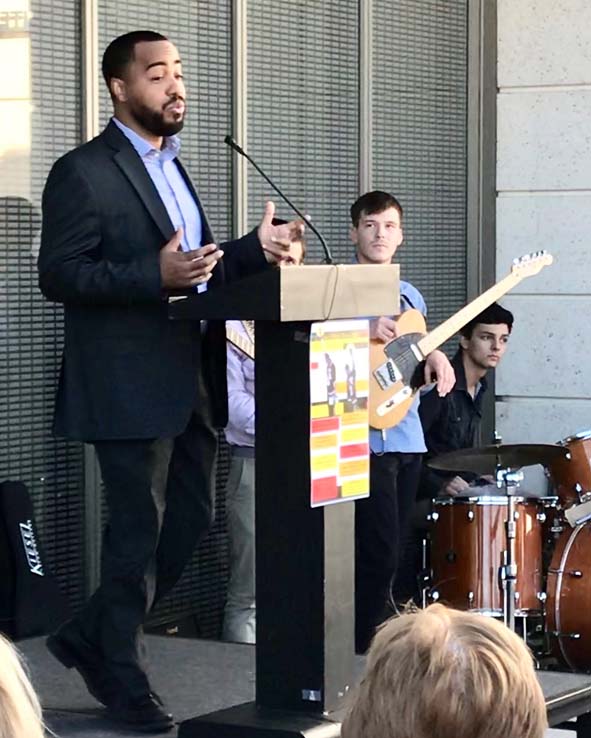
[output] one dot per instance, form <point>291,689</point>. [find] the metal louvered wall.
<point>419,139</point>
<point>202,33</point>
<point>43,42</point>
<point>303,127</point>
<point>303,112</point>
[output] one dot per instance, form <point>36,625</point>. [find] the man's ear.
<point>353,234</point>
<point>118,89</point>
<point>464,342</point>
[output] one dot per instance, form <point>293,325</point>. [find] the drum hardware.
<point>572,636</point>
<point>541,596</point>
<point>577,514</point>
<point>510,480</point>
<point>470,515</point>
<point>575,573</point>
<point>425,575</point>
<point>541,517</point>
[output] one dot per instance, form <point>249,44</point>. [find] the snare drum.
<point>569,598</point>
<point>572,475</point>
<point>467,545</point>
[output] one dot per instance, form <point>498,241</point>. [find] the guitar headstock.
<point>530,264</point>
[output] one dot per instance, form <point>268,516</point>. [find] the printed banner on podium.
<point>339,421</point>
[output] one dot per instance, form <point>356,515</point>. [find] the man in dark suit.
<point>122,228</point>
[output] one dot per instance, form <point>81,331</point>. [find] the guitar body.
<point>392,366</point>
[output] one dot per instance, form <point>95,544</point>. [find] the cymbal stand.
<point>509,479</point>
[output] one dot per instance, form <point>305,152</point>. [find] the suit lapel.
<point>128,160</point>
<point>132,166</point>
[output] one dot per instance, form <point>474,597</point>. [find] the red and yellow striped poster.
<point>339,425</point>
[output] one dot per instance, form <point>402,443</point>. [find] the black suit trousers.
<point>380,525</point>
<point>159,496</point>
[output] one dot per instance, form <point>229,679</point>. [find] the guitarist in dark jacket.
<point>396,453</point>
<point>122,228</point>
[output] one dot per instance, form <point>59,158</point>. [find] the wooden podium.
<point>304,555</point>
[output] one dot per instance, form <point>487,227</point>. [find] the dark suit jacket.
<point>127,370</point>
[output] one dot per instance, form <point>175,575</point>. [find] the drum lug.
<point>572,636</point>
<point>433,517</point>
<point>434,595</point>
<point>541,517</point>
<point>470,515</point>
<point>470,597</point>
<point>542,596</point>
<point>576,573</point>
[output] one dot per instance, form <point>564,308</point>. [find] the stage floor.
<point>196,677</point>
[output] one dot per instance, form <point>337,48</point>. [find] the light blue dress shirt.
<point>407,436</point>
<point>172,188</point>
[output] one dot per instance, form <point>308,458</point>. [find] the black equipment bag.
<point>30,601</point>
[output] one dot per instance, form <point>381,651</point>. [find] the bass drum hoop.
<point>557,597</point>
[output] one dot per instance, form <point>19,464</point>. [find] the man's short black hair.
<point>373,202</point>
<point>494,314</point>
<point>121,52</point>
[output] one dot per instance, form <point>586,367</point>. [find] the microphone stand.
<point>233,145</point>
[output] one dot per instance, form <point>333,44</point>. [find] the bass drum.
<point>568,605</point>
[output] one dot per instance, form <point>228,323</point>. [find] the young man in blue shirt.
<point>395,460</point>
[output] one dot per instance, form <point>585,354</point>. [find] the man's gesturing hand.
<point>277,241</point>
<point>181,270</point>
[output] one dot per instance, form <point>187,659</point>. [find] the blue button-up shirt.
<point>172,188</point>
<point>407,436</point>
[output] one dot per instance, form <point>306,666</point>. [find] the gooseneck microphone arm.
<point>233,145</point>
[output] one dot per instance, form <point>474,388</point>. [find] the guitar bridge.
<point>387,374</point>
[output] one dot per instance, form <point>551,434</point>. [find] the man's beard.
<point>153,121</point>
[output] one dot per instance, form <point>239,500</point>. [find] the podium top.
<point>311,292</point>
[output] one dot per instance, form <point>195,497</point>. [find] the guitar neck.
<point>452,325</point>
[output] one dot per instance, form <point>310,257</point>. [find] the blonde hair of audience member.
<point>20,712</point>
<point>442,673</point>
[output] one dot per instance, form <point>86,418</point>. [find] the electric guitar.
<point>393,364</point>
<point>242,343</point>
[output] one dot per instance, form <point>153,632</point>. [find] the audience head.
<point>442,673</point>
<point>20,712</point>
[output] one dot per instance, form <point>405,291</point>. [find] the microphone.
<point>233,145</point>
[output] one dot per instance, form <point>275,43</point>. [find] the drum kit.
<point>506,553</point>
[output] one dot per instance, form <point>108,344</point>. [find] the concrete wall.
<point>544,201</point>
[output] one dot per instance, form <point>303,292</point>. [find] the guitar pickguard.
<point>402,360</point>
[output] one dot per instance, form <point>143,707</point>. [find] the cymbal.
<point>486,459</point>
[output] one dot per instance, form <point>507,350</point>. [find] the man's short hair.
<point>443,672</point>
<point>372,203</point>
<point>121,52</point>
<point>494,314</point>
